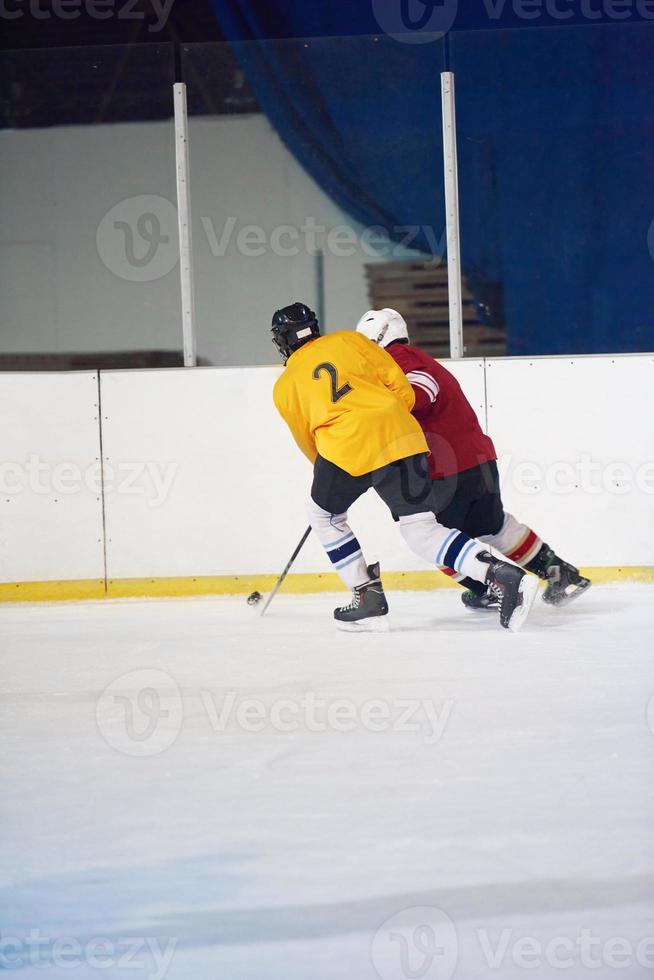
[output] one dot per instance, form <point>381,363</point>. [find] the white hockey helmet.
<point>383,326</point>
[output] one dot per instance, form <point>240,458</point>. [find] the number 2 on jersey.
<point>337,393</point>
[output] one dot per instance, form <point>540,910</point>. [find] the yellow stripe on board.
<point>66,591</point>
<point>426,581</point>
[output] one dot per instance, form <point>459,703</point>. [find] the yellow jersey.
<point>345,398</point>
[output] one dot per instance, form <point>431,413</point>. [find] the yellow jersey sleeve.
<point>295,420</point>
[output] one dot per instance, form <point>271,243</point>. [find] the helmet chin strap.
<point>382,333</point>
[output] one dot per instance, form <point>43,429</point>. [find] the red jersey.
<point>451,427</point>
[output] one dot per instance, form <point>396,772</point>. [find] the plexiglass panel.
<point>295,199</point>
<point>88,229</point>
<point>316,173</point>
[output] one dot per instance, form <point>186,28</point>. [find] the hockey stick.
<point>286,570</point>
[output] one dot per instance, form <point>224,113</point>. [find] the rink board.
<point>239,486</point>
<point>204,491</point>
<point>580,469</point>
<point>50,481</point>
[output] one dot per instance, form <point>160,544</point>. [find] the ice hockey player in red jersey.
<point>463,468</point>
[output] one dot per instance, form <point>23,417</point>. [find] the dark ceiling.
<point>83,71</point>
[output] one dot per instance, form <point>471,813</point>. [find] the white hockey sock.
<point>338,540</point>
<point>515,540</point>
<point>443,545</point>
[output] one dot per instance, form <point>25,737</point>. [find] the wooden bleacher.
<point>418,290</point>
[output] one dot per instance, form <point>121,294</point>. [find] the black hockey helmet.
<point>293,326</point>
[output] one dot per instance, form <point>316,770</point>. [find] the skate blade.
<point>373,624</point>
<point>567,597</point>
<point>528,589</point>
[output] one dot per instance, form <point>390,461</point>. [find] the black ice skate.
<point>471,600</point>
<point>514,590</point>
<point>367,606</point>
<point>564,583</point>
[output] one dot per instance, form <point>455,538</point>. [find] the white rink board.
<point>576,444</point>
<point>239,485</point>
<point>202,477</point>
<point>50,487</point>
<point>234,503</point>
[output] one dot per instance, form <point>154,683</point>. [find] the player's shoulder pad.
<point>349,336</point>
<point>365,343</point>
<point>405,355</point>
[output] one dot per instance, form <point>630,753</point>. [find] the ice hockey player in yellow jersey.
<point>348,406</point>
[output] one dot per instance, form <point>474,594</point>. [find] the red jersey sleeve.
<point>424,384</point>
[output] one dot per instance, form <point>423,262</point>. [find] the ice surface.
<point>219,787</point>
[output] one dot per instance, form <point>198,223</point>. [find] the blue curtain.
<point>341,107</point>
<point>556,153</point>
<point>565,119</point>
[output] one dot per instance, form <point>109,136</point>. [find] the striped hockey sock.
<point>444,546</point>
<point>342,547</point>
